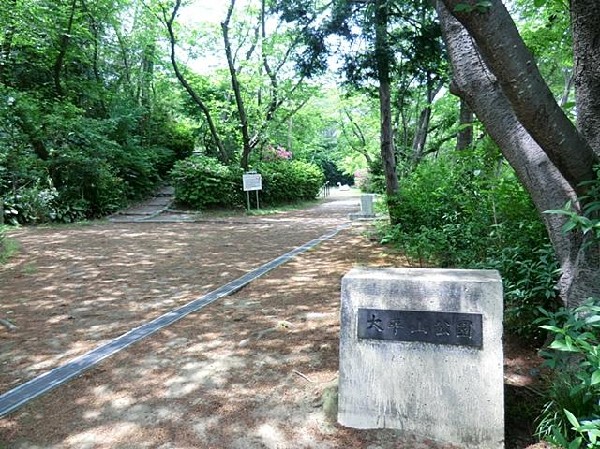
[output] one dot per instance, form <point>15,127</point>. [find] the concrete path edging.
<point>17,397</point>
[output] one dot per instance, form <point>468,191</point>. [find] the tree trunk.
<point>382,54</point>
<point>235,85</point>
<point>508,58</point>
<point>422,131</point>
<point>548,187</point>
<point>464,138</point>
<point>420,137</point>
<point>146,74</point>
<point>585,20</point>
<point>62,51</point>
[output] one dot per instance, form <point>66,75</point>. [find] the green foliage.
<point>571,418</point>
<point>31,205</point>
<point>588,220</point>
<point>529,277</point>
<point>469,211</point>
<point>289,181</point>
<point>78,167</point>
<point>374,180</point>
<point>470,204</point>
<point>87,183</point>
<point>203,182</point>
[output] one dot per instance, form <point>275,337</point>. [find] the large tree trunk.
<point>507,57</point>
<point>385,106</point>
<point>547,186</point>
<point>585,20</point>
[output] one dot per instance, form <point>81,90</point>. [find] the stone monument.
<point>421,351</point>
<point>367,210</point>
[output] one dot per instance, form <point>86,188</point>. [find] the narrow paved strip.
<point>19,396</point>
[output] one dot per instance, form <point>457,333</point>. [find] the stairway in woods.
<point>148,209</point>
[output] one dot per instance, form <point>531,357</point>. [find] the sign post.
<point>252,181</point>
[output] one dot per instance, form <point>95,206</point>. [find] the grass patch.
<point>8,246</point>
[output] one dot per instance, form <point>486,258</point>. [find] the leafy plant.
<point>470,211</point>
<point>289,181</point>
<point>203,182</point>
<point>571,418</point>
<point>588,220</point>
<point>529,278</point>
<point>30,205</point>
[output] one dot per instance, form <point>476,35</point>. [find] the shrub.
<point>529,277</point>
<point>289,181</point>
<point>87,183</point>
<point>138,168</point>
<point>30,205</point>
<point>470,211</point>
<point>204,182</point>
<point>457,211</point>
<point>571,417</point>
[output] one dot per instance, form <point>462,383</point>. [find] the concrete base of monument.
<point>421,351</point>
<point>361,216</point>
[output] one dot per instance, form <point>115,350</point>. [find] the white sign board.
<point>252,181</point>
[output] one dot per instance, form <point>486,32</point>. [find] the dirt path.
<point>254,370</point>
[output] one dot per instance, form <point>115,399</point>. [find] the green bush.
<point>571,417</point>
<point>203,182</point>
<point>469,211</point>
<point>453,211</point>
<point>138,168</point>
<point>91,166</point>
<point>30,205</point>
<point>87,183</point>
<point>529,277</point>
<point>289,181</point>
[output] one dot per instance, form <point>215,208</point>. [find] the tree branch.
<point>513,65</point>
<point>168,20</point>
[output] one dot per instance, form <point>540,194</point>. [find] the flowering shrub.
<point>272,153</point>
<point>361,177</point>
